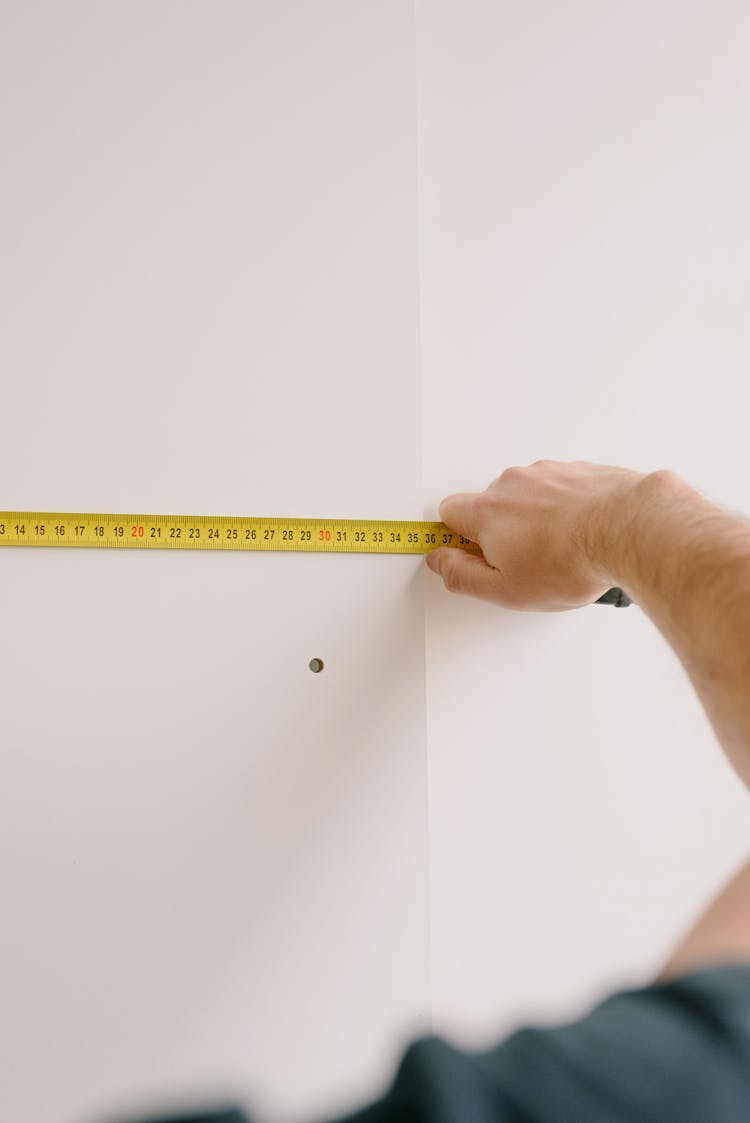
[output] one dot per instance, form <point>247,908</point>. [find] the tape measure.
<point>229,532</point>
<point>222,532</point>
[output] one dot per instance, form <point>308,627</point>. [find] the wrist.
<point>620,521</point>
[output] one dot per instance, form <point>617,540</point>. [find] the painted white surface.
<point>213,867</point>
<point>585,239</point>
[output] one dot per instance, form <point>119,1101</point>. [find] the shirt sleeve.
<point>671,1052</point>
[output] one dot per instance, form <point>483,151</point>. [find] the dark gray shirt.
<point>672,1052</point>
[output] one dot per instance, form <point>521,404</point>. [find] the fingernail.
<point>434,561</point>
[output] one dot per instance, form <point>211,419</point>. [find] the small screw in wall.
<point>316,665</point>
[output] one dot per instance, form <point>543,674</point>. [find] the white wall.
<point>585,238</point>
<point>213,862</point>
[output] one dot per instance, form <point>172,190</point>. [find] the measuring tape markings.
<point>209,532</point>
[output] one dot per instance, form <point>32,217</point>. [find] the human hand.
<point>541,530</point>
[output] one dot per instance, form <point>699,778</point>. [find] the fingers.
<point>460,515</point>
<point>466,573</point>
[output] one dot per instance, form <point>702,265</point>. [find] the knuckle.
<point>515,472</point>
<point>665,476</point>
<point>662,482</point>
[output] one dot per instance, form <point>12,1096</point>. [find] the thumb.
<point>463,572</point>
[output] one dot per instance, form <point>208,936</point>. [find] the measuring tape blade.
<point>230,532</point>
<point>223,532</point>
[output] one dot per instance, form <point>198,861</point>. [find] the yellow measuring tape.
<point>235,532</point>
<point>226,532</point>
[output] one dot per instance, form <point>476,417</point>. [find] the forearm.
<point>686,563</point>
